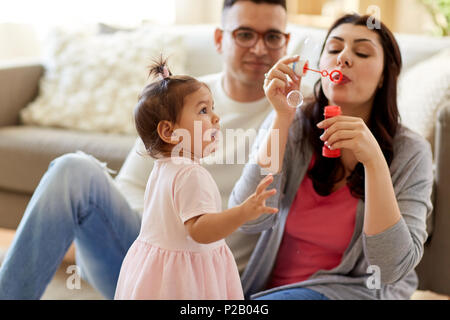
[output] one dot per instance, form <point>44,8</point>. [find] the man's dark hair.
<point>229,3</point>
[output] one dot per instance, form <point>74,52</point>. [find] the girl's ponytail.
<point>159,69</point>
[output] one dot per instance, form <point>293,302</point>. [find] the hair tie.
<point>164,74</point>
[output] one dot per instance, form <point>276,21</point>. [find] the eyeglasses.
<point>247,38</point>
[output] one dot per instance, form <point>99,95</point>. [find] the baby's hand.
<point>255,205</point>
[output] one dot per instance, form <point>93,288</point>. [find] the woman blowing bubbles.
<point>340,216</point>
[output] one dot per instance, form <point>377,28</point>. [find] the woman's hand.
<point>277,85</point>
<point>255,205</point>
<point>345,132</point>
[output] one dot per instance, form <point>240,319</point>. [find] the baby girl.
<point>180,252</point>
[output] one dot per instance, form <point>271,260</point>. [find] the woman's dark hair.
<point>383,121</point>
<point>161,100</point>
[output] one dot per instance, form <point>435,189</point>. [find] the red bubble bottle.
<point>329,112</point>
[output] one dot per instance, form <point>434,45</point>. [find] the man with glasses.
<point>252,39</point>
<point>77,201</point>
<point>247,38</point>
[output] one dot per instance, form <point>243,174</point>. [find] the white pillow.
<point>423,90</point>
<point>92,81</point>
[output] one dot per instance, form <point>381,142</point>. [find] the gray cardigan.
<point>396,251</point>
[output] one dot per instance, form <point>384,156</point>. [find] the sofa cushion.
<point>92,82</point>
<point>423,90</point>
<point>416,48</point>
<point>12,208</point>
<point>27,151</point>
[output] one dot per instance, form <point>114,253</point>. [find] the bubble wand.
<point>295,98</point>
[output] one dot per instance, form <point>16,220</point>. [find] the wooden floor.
<point>57,289</point>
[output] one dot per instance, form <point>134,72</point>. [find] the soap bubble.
<point>295,99</point>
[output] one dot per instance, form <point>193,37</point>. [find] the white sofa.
<point>27,149</point>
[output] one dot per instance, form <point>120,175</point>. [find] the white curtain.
<point>24,23</point>
<point>123,12</point>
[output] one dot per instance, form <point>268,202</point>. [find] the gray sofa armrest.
<point>434,268</point>
<point>442,158</point>
<point>19,85</point>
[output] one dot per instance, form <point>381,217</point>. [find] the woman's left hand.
<point>345,132</point>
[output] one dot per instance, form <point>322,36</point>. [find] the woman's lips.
<point>344,80</point>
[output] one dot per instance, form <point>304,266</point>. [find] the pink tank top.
<point>317,232</point>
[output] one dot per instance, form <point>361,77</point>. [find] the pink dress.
<point>164,262</point>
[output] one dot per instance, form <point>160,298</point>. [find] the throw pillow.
<point>423,90</point>
<point>92,81</point>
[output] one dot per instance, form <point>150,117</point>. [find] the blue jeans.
<point>75,201</point>
<point>293,294</point>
